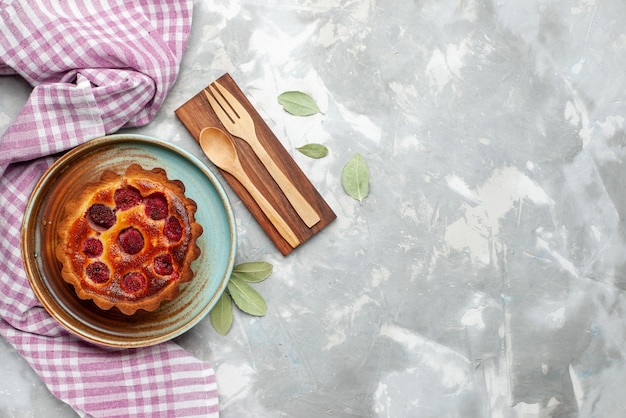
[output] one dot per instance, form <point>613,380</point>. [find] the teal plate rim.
<point>85,163</point>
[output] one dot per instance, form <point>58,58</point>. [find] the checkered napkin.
<point>95,66</point>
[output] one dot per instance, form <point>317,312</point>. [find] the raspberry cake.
<point>128,241</point>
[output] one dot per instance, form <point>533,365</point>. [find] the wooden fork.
<point>239,123</point>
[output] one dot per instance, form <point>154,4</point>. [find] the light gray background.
<point>485,273</point>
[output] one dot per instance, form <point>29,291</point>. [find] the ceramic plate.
<point>65,179</point>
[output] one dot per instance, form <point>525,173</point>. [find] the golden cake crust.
<point>128,240</point>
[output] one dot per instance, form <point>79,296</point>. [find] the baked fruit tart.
<point>128,240</point>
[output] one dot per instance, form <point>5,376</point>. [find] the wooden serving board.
<point>196,114</point>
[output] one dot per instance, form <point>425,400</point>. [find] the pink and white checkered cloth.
<point>95,66</point>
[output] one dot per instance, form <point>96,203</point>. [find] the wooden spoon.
<point>219,148</point>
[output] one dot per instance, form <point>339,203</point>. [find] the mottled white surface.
<point>485,275</point>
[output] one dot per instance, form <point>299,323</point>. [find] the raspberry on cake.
<point>128,240</point>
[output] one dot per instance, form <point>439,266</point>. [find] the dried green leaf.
<point>253,272</point>
<point>355,178</point>
<point>298,103</point>
<point>314,150</point>
<point>246,298</point>
<point>222,314</point>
